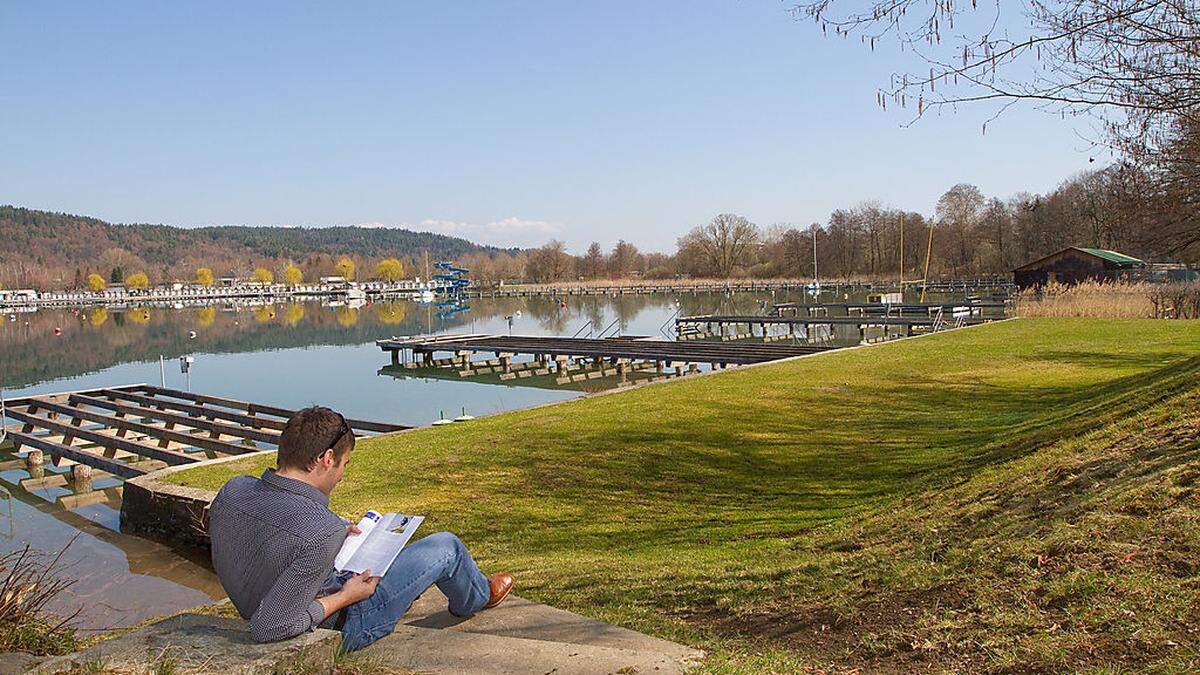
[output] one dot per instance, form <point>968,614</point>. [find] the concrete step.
<point>196,643</point>
<point>438,652</point>
<point>519,636</point>
<point>520,618</point>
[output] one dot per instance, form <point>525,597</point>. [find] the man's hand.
<point>360,587</point>
<point>351,528</point>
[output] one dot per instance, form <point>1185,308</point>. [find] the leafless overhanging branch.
<point>1138,58</point>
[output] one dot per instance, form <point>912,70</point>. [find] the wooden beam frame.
<point>181,437</point>
<point>177,418</point>
<point>255,408</point>
<point>75,454</point>
<point>172,457</point>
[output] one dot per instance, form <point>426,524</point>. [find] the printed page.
<point>353,541</point>
<point>380,548</point>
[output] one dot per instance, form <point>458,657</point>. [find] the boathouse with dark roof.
<point>1075,264</point>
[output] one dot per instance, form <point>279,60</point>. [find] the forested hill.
<point>44,249</point>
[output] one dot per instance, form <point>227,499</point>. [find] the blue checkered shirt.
<point>273,544</point>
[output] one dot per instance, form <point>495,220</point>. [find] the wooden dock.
<point>850,308</point>
<point>556,353</point>
<point>131,430</point>
<point>1002,285</point>
<point>726,327</point>
<point>584,376</point>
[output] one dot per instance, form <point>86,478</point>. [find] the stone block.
<point>198,643</point>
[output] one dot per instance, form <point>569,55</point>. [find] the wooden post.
<point>81,478</point>
<point>34,462</point>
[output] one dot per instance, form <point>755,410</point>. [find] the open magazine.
<point>380,541</point>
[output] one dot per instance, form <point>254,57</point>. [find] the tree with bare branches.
<point>725,245</point>
<point>1133,66</point>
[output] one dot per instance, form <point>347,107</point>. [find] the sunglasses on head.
<point>340,435</point>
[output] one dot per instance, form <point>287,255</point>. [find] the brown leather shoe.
<point>500,584</point>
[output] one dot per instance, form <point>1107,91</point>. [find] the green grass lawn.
<point>728,511</point>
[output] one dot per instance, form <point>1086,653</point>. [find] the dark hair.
<point>309,433</point>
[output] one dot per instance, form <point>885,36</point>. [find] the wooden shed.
<point>1076,264</point>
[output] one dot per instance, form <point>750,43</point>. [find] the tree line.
<point>288,274</point>
<point>46,250</point>
<point>1125,207</point>
<point>968,235</point>
<point>1132,67</point>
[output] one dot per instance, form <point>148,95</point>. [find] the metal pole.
<point>816,284</point>
<point>162,371</point>
<point>3,420</point>
<point>901,256</point>
<point>928,255</point>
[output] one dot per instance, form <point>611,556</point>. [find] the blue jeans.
<point>440,559</point>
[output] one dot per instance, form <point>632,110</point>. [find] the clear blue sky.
<point>508,122</point>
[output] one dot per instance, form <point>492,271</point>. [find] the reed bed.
<point>29,581</point>
<point>1120,299</point>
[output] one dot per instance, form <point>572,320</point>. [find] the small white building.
<point>18,295</point>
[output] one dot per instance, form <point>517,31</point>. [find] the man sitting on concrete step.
<point>274,540</point>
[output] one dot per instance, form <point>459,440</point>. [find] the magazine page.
<point>378,549</point>
<point>366,525</point>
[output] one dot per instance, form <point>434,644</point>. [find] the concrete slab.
<point>16,662</point>
<point>446,651</point>
<point>521,618</point>
<point>197,643</point>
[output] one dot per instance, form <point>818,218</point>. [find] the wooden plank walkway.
<point>725,327</point>
<point>783,308</point>
<point>597,287</point>
<point>867,320</point>
<point>563,348</point>
<point>130,430</point>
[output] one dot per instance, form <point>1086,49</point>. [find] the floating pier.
<point>850,308</point>
<point>560,355</point>
<point>128,431</point>
<point>726,327</point>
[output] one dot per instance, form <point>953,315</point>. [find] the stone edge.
<point>175,514</point>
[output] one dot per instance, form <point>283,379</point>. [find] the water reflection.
<point>121,580</point>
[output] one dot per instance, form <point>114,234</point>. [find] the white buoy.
<point>464,417</point>
<point>441,421</point>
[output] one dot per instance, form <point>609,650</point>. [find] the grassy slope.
<point>690,509</point>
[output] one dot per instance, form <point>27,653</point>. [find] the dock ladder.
<point>939,320</point>
<point>616,323</point>
<point>587,326</point>
<point>665,328</point>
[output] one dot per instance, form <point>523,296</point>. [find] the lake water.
<point>291,355</point>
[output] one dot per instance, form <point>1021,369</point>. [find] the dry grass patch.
<point>1115,300</point>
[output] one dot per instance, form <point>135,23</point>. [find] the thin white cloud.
<point>511,231</point>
